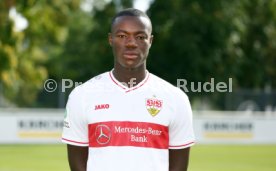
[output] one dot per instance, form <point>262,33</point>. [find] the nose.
<point>131,42</point>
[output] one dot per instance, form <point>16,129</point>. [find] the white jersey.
<point>128,129</point>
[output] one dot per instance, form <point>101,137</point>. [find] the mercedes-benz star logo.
<point>102,134</point>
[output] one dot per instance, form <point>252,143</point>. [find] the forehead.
<point>131,24</point>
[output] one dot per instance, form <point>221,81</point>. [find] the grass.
<point>233,158</point>
<point>203,158</point>
<point>33,158</point>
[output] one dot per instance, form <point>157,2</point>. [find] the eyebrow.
<point>137,32</point>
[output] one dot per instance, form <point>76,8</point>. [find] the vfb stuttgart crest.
<point>153,106</point>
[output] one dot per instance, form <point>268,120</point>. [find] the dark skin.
<point>130,39</point>
<point>77,157</point>
<point>179,159</point>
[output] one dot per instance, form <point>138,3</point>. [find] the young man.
<point>128,119</point>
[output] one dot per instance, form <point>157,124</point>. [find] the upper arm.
<point>75,129</point>
<point>77,157</point>
<point>178,159</point>
<point>75,132</point>
<point>181,133</point>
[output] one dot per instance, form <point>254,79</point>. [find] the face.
<point>130,39</point>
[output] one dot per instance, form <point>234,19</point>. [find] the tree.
<point>190,42</point>
<point>190,38</point>
<point>198,40</point>
<point>256,45</point>
<point>25,53</point>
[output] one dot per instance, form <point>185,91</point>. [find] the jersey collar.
<point>124,87</point>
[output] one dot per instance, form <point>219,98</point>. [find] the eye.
<point>141,37</point>
<point>121,36</point>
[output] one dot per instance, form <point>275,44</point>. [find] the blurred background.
<point>195,40</point>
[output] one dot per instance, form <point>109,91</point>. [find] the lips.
<point>130,55</point>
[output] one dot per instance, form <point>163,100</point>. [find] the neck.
<point>130,76</point>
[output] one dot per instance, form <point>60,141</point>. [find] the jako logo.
<point>101,106</point>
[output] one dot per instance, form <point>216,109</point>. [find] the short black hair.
<point>130,12</point>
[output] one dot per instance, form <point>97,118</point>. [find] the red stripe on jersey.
<point>115,81</point>
<point>183,145</point>
<point>131,88</point>
<point>74,141</point>
<point>125,133</point>
<point>135,87</point>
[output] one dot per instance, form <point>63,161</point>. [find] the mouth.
<point>130,55</point>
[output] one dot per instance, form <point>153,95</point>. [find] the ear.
<point>151,39</point>
<point>110,39</point>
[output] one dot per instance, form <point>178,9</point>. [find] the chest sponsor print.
<point>126,133</point>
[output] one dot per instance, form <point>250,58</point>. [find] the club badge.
<point>153,105</point>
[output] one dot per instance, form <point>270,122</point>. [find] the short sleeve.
<point>181,133</point>
<point>75,128</point>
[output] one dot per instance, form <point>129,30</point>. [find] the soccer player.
<point>128,119</point>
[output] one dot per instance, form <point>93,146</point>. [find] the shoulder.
<point>167,88</point>
<point>90,85</point>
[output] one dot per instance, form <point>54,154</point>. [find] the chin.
<point>130,65</point>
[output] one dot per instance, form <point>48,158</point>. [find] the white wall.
<point>235,127</point>
<point>30,126</point>
<point>44,126</point>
